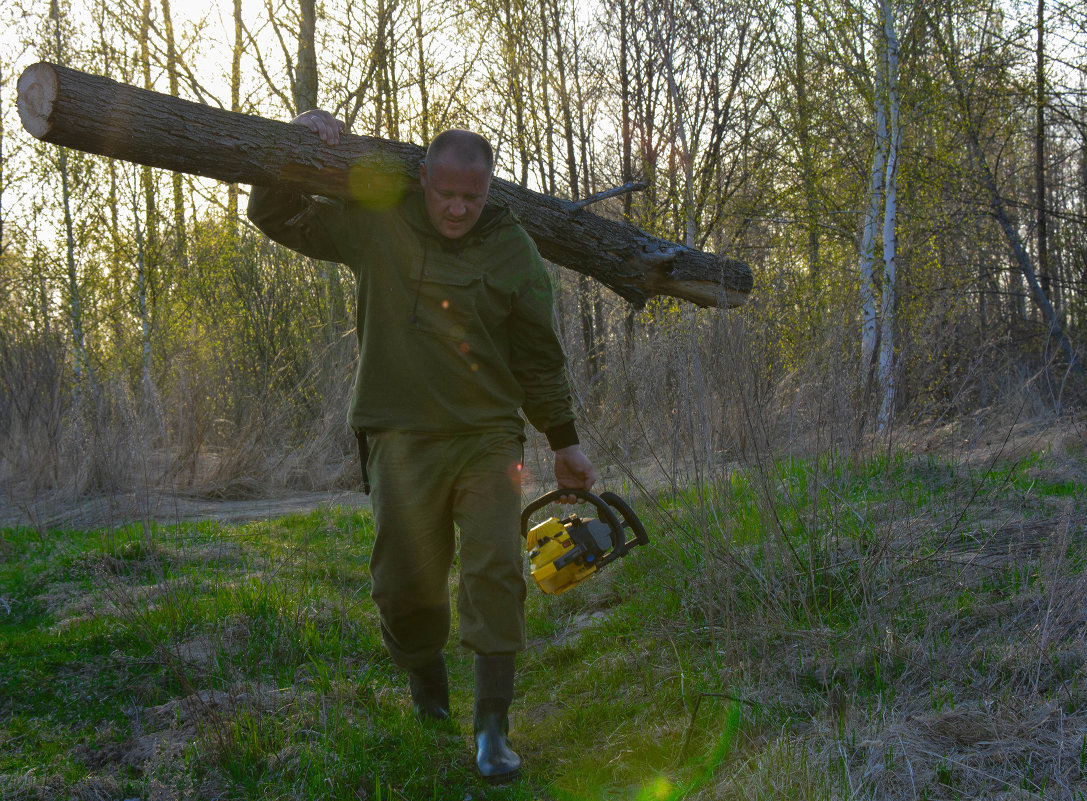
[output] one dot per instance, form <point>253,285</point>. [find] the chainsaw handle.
<point>618,539</point>
<point>630,520</point>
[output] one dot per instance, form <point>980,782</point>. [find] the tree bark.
<point>804,136</point>
<point>304,90</point>
<point>95,114</point>
<point>1039,156</point>
<point>181,247</point>
<point>890,220</point>
<point>235,105</point>
<point>877,176</point>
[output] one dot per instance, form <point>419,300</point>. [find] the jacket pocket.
<point>445,301</point>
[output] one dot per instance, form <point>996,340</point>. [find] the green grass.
<point>779,633</point>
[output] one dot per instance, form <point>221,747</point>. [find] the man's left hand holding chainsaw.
<point>455,336</point>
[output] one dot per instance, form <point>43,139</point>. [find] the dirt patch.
<point>51,512</point>
<point>569,634</point>
<point>203,650</point>
<point>166,730</point>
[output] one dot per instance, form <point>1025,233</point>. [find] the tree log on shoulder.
<point>98,115</point>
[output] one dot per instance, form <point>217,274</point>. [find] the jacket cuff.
<point>562,436</point>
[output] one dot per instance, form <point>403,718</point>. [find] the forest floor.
<point>60,510</point>
<point>108,511</point>
<point>906,624</point>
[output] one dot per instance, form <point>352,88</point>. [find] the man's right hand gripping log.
<point>455,336</point>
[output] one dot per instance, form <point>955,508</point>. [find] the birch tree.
<point>872,217</point>
<point>176,179</point>
<point>881,215</point>
<point>75,304</point>
<point>888,13</point>
<point>1041,215</point>
<point>141,281</point>
<point>235,103</point>
<point>148,241</point>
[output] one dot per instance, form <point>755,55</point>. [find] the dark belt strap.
<point>364,457</point>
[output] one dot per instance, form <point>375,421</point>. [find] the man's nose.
<point>457,207</point>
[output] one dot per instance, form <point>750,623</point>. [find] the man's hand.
<point>573,470</point>
<point>323,124</point>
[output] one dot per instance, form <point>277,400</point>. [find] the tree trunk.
<point>235,105</point>
<point>79,348</point>
<point>890,221</point>
<point>869,317</point>
<point>181,248</point>
<point>141,281</point>
<point>304,90</point>
<point>70,108</point>
<point>150,195</point>
<point>1039,156</point>
<point>804,125</point>
<point>424,98</point>
<point>2,132</point>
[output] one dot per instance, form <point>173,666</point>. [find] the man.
<point>455,335</point>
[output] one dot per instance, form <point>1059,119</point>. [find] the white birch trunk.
<point>890,256</point>
<point>79,350</point>
<point>869,316</point>
<point>75,307</point>
<point>141,286</point>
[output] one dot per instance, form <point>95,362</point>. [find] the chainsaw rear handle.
<point>583,495</point>
<point>603,503</point>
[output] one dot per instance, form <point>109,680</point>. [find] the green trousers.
<point>423,486</point>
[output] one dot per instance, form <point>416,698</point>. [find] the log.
<point>98,115</point>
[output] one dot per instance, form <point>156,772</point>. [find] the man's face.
<point>454,194</point>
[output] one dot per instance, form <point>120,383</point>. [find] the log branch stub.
<point>88,112</point>
<point>633,186</point>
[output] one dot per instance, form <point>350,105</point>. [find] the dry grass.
<point>914,629</point>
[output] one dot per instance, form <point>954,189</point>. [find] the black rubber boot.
<point>495,759</point>
<point>430,690</point>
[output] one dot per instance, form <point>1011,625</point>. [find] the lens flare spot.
<point>445,304</point>
<point>475,368</point>
<point>659,789</point>
<point>515,472</point>
<point>464,347</point>
<point>377,181</point>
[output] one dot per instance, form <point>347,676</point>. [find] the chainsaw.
<point>566,552</point>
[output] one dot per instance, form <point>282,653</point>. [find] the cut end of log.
<point>660,276</point>
<point>37,95</point>
<point>707,294</point>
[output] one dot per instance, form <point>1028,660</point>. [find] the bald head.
<point>455,177</point>
<point>463,148</point>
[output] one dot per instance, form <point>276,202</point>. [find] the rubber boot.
<point>430,690</point>
<point>495,759</point>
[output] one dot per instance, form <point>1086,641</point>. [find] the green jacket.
<point>454,335</point>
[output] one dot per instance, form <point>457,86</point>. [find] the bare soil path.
<point>114,510</point>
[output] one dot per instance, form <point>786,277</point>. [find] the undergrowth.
<point>896,626</point>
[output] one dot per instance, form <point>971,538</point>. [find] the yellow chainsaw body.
<point>547,542</point>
